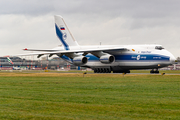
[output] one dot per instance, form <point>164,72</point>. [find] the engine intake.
<point>80,60</point>
<point>107,59</point>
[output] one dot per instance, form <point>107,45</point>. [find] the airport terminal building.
<point>24,64</point>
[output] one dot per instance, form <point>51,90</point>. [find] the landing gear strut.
<point>154,71</point>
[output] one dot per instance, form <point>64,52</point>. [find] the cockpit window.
<point>159,47</point>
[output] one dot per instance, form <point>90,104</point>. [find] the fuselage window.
<point>159,47</point>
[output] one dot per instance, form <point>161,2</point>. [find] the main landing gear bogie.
<point>102,70</point>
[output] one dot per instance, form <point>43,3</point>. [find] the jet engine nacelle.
<point>107,58</point>
<point>80,60</point>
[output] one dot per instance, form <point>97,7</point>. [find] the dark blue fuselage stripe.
<point>60,36</point>
<point>130,58</point>
<point>133,57</point>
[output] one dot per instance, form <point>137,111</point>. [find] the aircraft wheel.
<point>152,71</point>
<point>98,70</point>
<point>95,70</point>
<point>107,70</point>
<point>104,70</point>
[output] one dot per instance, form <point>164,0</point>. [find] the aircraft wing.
<point>52,52</point>
<point>78,50</point>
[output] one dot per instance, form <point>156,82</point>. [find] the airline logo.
<point>138,57</point>
<point>64,36</point>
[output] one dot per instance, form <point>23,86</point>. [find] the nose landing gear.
<point>154,71</point>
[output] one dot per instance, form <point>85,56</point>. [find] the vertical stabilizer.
<point>10,60</point>
<point>63,33</point>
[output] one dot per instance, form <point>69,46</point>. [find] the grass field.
<point>71,96</point>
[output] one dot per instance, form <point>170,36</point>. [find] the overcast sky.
<point>30,23</point>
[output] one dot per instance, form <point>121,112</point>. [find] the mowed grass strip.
<point>95,96</point>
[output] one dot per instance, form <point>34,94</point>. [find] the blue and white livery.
<point>107,58</point>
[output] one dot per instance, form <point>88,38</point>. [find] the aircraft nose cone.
<point>172,59</point>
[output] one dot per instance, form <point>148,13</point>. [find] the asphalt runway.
<point>81,72</point>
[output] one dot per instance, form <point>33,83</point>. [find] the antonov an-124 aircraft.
<point>106,58</point>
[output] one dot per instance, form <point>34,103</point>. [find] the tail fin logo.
<point>64,36</point>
